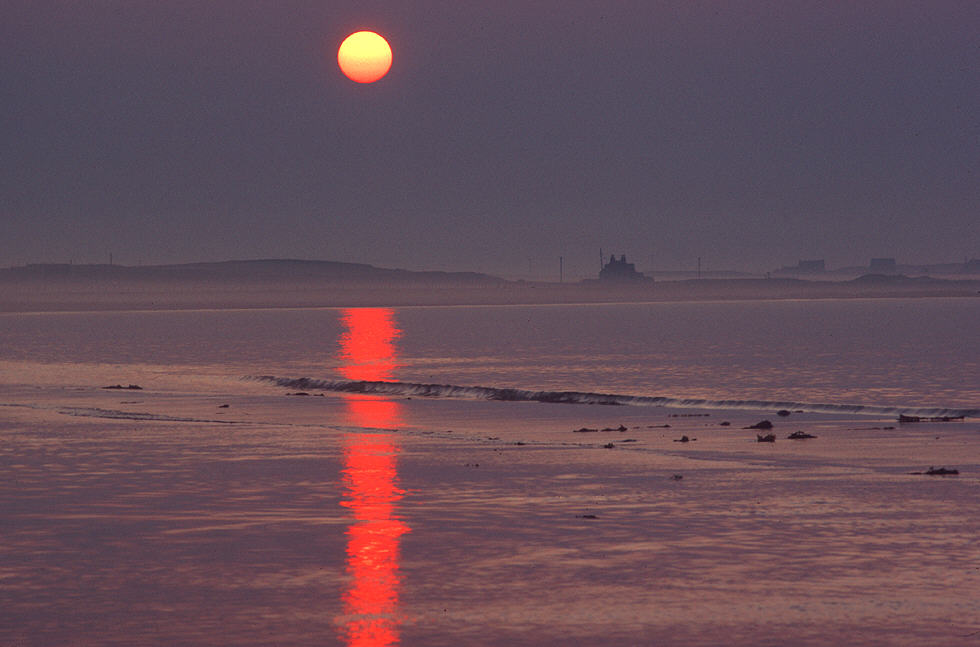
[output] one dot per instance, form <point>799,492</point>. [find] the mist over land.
<point>278,283</point>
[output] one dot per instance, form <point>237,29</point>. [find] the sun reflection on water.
<point>367,348</point>
<point>370,475</point>
<point>371,600</point>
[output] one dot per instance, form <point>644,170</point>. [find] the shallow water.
<point>901,352</point>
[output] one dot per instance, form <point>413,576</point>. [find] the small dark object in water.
<point>120,387</point>
<point>939,471</point>
<point>764,424</point>
<point>725,424</point>
<point>684,439</point>
<point>782,413</point>
<point>608,446</point>
<point>768,438</point>
<point>586,516</point>
<point>584,430</point>
<point>520,444</point>
<point>800,435</point>
<point>619,428</point>
<point>628,440</point>
<point>677,477</point>
<point>298,393</point>
<point>223,406</point>
<point>658,426</point>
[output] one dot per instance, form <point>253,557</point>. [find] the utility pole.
<point>561,269</point>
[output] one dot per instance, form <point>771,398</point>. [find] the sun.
<point>364,57</point>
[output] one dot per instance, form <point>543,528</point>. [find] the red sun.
<point>364,57</point>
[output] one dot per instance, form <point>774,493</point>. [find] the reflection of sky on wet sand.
<point>368,352</point>
<point>136,533</point>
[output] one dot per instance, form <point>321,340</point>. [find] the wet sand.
<point>286,520</point>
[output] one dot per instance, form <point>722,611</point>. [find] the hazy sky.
<point>752,134</point>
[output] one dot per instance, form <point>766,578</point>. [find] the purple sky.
<point>752,134</point>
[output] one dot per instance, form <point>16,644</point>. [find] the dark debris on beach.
<point>800,435</point>
<point>938,471</point>
<point>590,430</point>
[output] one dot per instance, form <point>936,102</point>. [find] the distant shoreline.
<point>305,284</point>
<point>113,296</point>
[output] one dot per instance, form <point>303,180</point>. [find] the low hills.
<point>248,271</point>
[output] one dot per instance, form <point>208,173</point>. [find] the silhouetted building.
<point>619,270</point>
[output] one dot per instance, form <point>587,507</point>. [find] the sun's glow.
<point>364,57</point>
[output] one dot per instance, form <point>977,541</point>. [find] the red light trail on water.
<point>367,348</point>
<point>370,477</point>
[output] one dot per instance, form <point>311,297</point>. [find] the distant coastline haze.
<point>748,135</point>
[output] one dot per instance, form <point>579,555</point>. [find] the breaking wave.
<point>415,389</point>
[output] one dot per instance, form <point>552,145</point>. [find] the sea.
<point>916,356</point>
<point>488,474</point>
